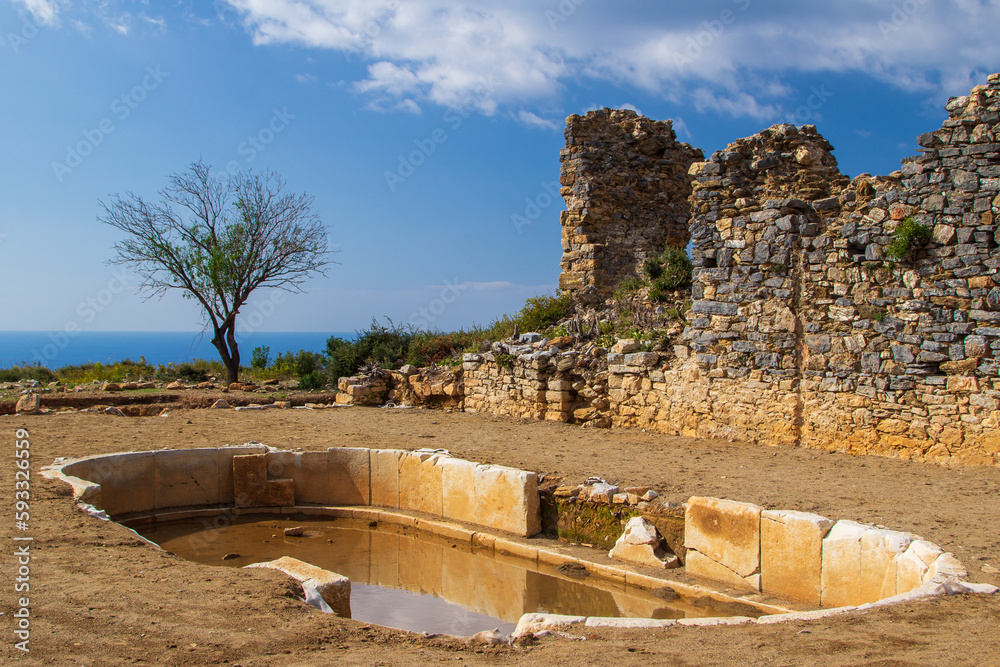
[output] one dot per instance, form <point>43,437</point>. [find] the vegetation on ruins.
<point>908,237</point>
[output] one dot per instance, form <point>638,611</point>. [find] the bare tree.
<point>217,239</point>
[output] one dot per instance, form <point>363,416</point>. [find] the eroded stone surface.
<point>307,469</point>
<point>841,578</point>
<point>914,565</point>
<point>252,488</point>
<point>335,589</point>
<point>725,531</point>
<point>128,482</point>
<point>880,551</point>
<point>385,477</point>
<point>348,476</point>
<point>420,480</point>
<point>459,499</point>
<point>186,477</point>
<point>791,554</point>
<point>699,565</point>
<point>508,500</point>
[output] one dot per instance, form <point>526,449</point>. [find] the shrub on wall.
<point>909,236</point>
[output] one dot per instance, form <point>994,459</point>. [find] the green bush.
<point>314,380</point>
<point>538,314</point>
<point>392,345</point>
<point>191,372</point>
<point>677,269</point>
<point>629,286</point>
<point>16,374</point>
<point>260,358</point>
<point>909,235</point>
<point>387,346</point>
<point>667,271</point>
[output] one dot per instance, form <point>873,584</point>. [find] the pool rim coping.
<point>529,623</point>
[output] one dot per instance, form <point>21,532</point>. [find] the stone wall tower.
<point>626,185</point>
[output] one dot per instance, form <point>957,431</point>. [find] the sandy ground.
<point>101,597</point>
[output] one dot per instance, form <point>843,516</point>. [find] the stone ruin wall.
<point>809,334</point>
<point>801,331</point>
<point>626,185</point>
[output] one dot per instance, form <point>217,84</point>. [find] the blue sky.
<point>421,127</point>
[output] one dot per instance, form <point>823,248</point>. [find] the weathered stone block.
<point>727,532</point>
<point>385,477</point>
<point>225,467</point>
<point>698,564</point>
<point>459,499</point>
<point>420,482</point>
<point>791,554</point>
<point>29,404</point>
<point>335,589</point>
<point>841,578</point>
<point>913,566</point>
<point>128,482</point>
<point>186,477</point>
<point>252,488</point>
<point>307,469</point>
<point>880,550</point>
<point>640,545</point>
<point>508,500</point>
<point>348,476</point>
<point>714,308</point>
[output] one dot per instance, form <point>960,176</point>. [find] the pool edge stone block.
<point>913,565</point>
<point>420,482</point>
<point>84,489</point>
<point>842,564</point>
<point>725,531</point>
<point>128,482</point>
<point>698,564</point>
<point>335,589</point>
<point>791,554</point>
<point>225,464</point>
<point>252,488</point>
<point>307,469</point>
<point>186,477</point>
<point>508,500</point>
<point>385,477</point>
<point>880,552</point>
<point>349,475</point>
<point>458,489</point>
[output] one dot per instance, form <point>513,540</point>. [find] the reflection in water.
<point>405,579</point>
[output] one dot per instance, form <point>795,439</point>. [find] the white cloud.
<point>731,57</point>
<point>681,129</point>
<point>306,78</point>
<point>409,106</point>
<point>44,12</point>
<point>730,61</point>
<point>534,120</point>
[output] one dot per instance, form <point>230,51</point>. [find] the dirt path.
<point>101,597</point>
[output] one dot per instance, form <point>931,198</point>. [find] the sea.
<point>55,349</point>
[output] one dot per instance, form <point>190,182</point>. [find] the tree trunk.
<point>225,342</point>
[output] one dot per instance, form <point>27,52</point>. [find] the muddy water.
<point>405,579</point>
